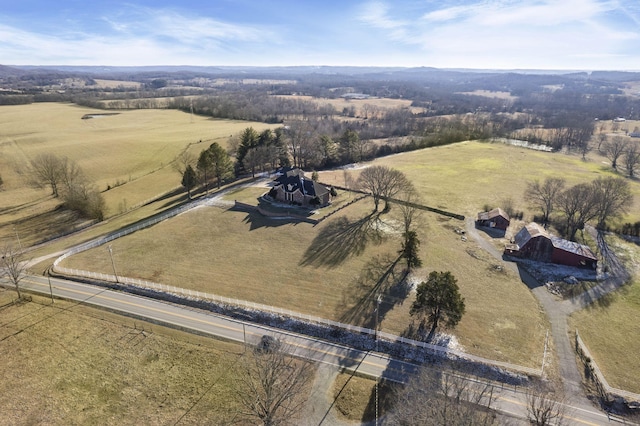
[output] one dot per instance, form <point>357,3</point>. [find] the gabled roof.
<point>292,180</point>
<point>533,230</point>
<point>573,247</point>
<point>491,214</point>
<point>530,230</point>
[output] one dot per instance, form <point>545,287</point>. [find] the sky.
<point>476,34</point>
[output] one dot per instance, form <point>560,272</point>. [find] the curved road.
<point>558,313</point>
<point>506,400</point>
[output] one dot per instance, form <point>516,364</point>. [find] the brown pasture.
<point>130,153</point>
<point>332,270</point>
<point>68,364</point>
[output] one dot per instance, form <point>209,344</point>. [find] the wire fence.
<point>198,295</point>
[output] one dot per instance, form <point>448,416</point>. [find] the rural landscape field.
<point>214,152</point>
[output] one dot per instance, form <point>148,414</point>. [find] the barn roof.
<point>491,214</point>
<point>530,230</point>
<point>573,247</point>
<point>533,230</point>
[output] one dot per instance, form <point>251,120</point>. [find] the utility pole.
<point>17,237</point>
<point>50,289</point>
<point>113,263</point>
<point>378,300</point>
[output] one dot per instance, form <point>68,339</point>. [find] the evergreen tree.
<point>439,300</point>
<point>189,179</point>
<point>410,250</point>
<point>220,162</point>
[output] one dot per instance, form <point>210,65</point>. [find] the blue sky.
<point>489,34</point>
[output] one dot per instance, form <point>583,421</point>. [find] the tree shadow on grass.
<point>340,239</point>
<point>381,277</point>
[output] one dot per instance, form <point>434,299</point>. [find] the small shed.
<point>496,218</point>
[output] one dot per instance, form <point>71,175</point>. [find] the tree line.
<point>601,200</point>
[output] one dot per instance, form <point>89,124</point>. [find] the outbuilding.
<point>535,243</point>
<point>496,218</point>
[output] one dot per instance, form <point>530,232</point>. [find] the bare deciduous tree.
<point>409,198</point>
<point>271,386</point>
<point>543,407</point>
<point>183,161</point>
<point>442,398</point>
<point>48,169</point>
<point>14,267</point>
<point>614,149</point>
<point>382,182</point>
<point>544,196</point>
<point>631,159</point>
<point>579,205</point>
<point>613,198</point>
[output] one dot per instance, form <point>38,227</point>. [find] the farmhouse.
<point>496,218</point>
<point>293,187</point>
<point>535,243</point>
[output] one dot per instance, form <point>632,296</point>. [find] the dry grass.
<point>70,364</point>
<point>608,326</point>
<point>352,396</point>
<point>463,177</point>
<point>130,152</point>
<point>112,84</point>
<point>330,270</point>
<point>340,103</point>
<point>507,96</point>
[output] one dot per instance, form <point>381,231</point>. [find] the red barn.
<point>496,218</point>
<point>535,243</point>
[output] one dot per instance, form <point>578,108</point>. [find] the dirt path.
<point>318,409</point>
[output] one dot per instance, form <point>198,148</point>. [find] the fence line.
<point>255,306</point>
<point>601,383</point>
<point>191,294</point>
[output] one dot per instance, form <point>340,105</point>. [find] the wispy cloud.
<point>376,14</point>
<point>510,33</point>
<point>136,36</point>
<point>183,28</point>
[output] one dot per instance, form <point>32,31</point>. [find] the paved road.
<point>507,400</point>
<point>558,312</point>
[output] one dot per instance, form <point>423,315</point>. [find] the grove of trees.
<point>601,200</point>
<point>68,182</point>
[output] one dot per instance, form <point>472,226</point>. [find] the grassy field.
<point>331,270</point>
<point>130,152</point>
<point>463,177</point>
<point>359,104</point>
<point>607,327</point>
<point>69,364</point>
